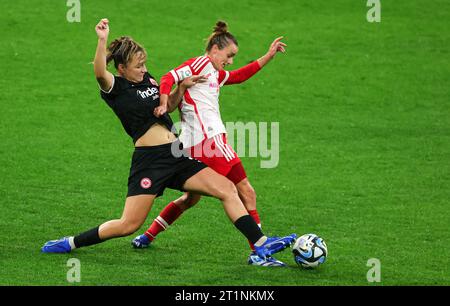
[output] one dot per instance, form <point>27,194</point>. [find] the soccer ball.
<point>309,251</point>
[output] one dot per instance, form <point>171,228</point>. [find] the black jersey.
<point>134,103</point>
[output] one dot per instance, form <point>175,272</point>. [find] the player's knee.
<point>181,202</point>
<point>187,201</point>
<point>191,201</point>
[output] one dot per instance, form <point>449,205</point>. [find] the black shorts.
<point>155,168</point>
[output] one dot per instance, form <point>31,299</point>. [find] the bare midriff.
<point>157,134</point>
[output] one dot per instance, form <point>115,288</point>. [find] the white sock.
<point>72,243</point>
<point>261,241</point>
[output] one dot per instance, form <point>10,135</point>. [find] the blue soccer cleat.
<point>57,246</point>
<point>274,245</point>
<point>140,242</point>
<point>269,261</point>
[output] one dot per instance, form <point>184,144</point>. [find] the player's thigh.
<point>209,182</point>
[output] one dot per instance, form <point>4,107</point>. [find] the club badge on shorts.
<point>146,183</point>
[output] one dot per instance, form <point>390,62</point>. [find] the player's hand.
<point>276,46</point>
<point>192,80</point>
<point>160,110</point>
<point>102,29</point>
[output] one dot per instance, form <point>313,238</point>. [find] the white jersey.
<point>200,110</point>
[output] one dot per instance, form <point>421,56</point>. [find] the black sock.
<point>87,238</point>
<point>247,226</point>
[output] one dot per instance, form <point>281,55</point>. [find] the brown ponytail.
<point>220,36</point>
<point>122,50</point>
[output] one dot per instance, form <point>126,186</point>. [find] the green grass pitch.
<point>364,114</point>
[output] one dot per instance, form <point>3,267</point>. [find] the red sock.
<point>169,214</point>
<point>255,216</point>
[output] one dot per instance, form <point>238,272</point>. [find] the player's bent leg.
<point>134,214</point>
<point>248,197</point>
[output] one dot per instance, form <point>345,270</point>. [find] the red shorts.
<point>217,154</point>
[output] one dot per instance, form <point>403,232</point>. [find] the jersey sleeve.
<point>116,87</point>
<point>191,67</point>
<point>238,76</point>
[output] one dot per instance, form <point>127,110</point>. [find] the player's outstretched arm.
<point>103,76</point>
<point>244,73</point>
<point>276,46</point>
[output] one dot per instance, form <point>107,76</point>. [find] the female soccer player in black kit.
<point>133,95</point>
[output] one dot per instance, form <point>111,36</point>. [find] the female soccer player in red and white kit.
<point>203,133</point>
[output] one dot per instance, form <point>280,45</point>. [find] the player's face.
<point>224,57</point>
<point>135,69</point>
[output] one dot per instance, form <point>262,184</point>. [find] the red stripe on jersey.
<point>202,65</point>
<point>199,64</point>
<point>189,62</point>
<point>189,100</point>
<point>196,61</point>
